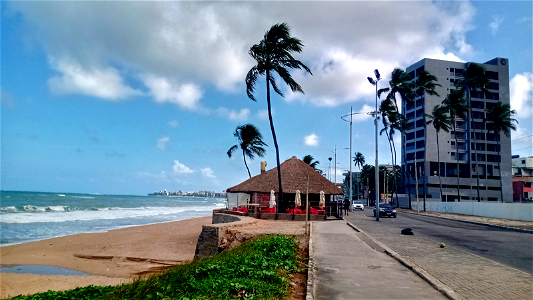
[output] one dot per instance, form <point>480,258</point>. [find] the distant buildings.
<point>476,148</point>
<point>522,178</point>
<point>190,194</point>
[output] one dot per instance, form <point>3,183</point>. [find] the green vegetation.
<point>259,269</point>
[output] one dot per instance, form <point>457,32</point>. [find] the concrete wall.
<point>512,211</point>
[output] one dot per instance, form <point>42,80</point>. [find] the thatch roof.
<point>294,173</point>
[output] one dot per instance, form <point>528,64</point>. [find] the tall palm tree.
<point>359,160</point>
<point>475,79</point>
<point>250,141</point>
<point>499,119</point>
<point>456,106</point>
<point>426,83</point>
<point>400,84</point>
<point>273,55</point>
<point>390,118</point>
<point>440,120</point>
<point>310,160</point>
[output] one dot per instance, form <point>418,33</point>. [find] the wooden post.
<point>307,204</point>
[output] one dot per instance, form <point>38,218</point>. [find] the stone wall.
<point>212,236</point>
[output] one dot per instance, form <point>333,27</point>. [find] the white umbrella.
<point>298,199</point>
<point>322,202</point>
<point>272,202</point>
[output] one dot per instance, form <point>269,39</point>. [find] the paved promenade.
<point>347,268</point>
<point>468,276</point>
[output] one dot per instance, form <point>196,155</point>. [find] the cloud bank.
<point>172,51</point>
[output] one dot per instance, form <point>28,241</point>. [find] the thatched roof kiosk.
<point>294,176</point>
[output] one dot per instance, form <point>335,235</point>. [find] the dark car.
<point>385,209</point>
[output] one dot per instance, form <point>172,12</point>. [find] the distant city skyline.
<point>119,97</point>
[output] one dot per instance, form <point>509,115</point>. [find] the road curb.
<point>311,267</point>
<point>470,222</point>
<point>434,282</point>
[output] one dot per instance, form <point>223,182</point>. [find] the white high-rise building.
<point>478,155</point>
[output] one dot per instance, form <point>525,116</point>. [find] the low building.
<point>296,175</point>
<point>522,168</point>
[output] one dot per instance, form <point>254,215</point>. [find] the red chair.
<point>234,209</point>
<point>243,209</point>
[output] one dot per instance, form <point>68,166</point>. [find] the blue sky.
<point>135,97</point>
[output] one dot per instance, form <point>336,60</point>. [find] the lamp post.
<point>329,169</point>
<point>374,82</point>
<point>351,119</point>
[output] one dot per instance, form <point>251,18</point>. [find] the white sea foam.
<point>8,209</point>
<point>32,208</point>
<point>104,214</point>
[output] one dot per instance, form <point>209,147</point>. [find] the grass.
<point>259,269</point>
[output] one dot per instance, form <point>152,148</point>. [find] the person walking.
<point>346,206</point>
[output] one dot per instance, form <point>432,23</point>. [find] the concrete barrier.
<point>511,211</point>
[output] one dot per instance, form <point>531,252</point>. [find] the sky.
<point>119,97</point>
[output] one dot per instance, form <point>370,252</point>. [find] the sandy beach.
<point>115,256</point>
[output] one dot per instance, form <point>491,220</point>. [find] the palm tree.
<point>440,120</point>
<point>456,106</point>
<point>250,141</point>
<point>359,160</point>
<point>390,118</point>
<point>475,79</point>
<point>273,55</point>
<point>426,83</point>
<point>401,84</point>
<point>499,119</point>
<point>308,159</point>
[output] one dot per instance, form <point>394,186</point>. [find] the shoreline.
<point>116,256</point>
<point>103,231</point>
<point>112,257</point>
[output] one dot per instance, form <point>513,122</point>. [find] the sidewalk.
<point>345,267</point>
<point>468,276</point>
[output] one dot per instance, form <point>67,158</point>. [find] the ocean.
<point>32,216</point>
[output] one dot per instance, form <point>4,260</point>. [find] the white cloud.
<point>263,114</point>
<point>232,115</point>
<point>180,168</point>
<point>521,90</point>
<point>188,45</point>
<point>102,82</point>
<point>207,172</point>
<point>173,123</point>
<point>162,143</point>
<point>311,140</point>
<point>495,24</point>
<point>185,95</point>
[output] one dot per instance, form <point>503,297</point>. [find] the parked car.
<point>358,205</point>
<point>385,209</point>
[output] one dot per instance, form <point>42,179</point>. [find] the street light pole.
<point>375,83</point>
<point>351,176</point>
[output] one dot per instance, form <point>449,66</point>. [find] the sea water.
<point>32,216</point>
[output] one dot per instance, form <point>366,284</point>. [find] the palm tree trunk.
<point>280,195</point>
<point>244,157</point>
<point>438,159</point>
<point>499,168</point>
<point>416,185</point>
<point>470,121</point>
<point>395,182</point>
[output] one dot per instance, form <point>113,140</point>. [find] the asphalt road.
<point>508,247</point>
